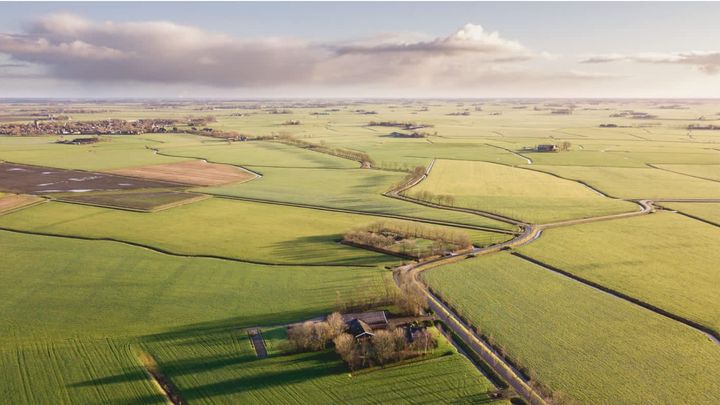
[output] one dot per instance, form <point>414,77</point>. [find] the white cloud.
<point>706,61</point>
<point>71,47</point>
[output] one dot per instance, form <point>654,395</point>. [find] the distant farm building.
<point>546,148</point>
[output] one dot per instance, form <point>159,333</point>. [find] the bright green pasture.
<point>118,152</point>
<point>639,183</point>
<point>516,193</point>
<point>255,153</point>
<point>589,345</point>
<point>706,211</point>
<point>665,259</point>
<point>220,227</point>
<point>223,366</point>
<point>69,329</point>
<point>358,189</point>
<point>97,289</point>
<point>235,229</point>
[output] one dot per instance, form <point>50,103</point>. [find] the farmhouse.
<point>546,148</point>
<point>375,319</point>
<point>359,329</point>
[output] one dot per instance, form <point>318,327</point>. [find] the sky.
<point>359,49</point>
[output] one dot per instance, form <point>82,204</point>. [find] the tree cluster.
<point>442,199</point>
<point>314,336</point>
<point>407,125</point>
<point>385,347</point>
<point>402,236</point>
<point>357,156</point>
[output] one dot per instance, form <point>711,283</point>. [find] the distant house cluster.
<point>100,127</point>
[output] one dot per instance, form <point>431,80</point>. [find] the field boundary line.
<point>652,165</point>
<point>185,255</point>
<point>367,213</point>
<point>712,334</point>
<point>197,198</point>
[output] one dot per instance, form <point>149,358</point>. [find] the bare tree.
<point>336,324</point>
<point>384,345</point>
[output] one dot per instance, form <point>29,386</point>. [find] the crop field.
<point>638,183</point>
<point>134,200</point>
<point>194,172</point>
<point>665,259</point>
<point>709,172</point>
<point>236,375</point>
<point>175,242</point>
<point>272,154</point>
<point>591,346</point>
<point>515,193</point>
<point>331,188</point>
<point>707,211</point>
<point>82,313</point>
<point>118,152</point>
<point>218,227</point>
<point>47,180</point>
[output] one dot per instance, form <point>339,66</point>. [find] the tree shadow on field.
<point>217,349</point>
<point>316,249</point>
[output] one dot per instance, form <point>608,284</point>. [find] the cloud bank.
<point>71,47</point>
<point>705,61</point>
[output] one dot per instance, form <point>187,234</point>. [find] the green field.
<point>358,189</point>
<point>664,259</point>
<point>261,154</point>
<point>85,315</point>
<point>589,345</point>
<point>707,211</point>
<point>117,152</point>
<point>219,227</point>
<point>184,284</point>
<point>638,183</point>
<point>516,193</point>
<point>207,368</point>
<point>710,172</point>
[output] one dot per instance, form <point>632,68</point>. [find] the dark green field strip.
<point>711,333</point>
<point>170,253</point>
<point>372,214</point>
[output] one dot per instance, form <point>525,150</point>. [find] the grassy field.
<point>220,227</point>
<point>71,328</point>
<point>516,193</point>
<point>224,366</point>
<point>117,152</point>
<point>638,183</point>
<point>74,313</point>
<point>706,211</point>
<point>272,154</point>
<point>710,172</point>
<point>664,259</point>
<point>134,200</point>
<point>358,189</point>
<point>591,346</point>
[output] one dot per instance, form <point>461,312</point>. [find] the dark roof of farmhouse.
<point>359,328</point>
<point>371,317</point>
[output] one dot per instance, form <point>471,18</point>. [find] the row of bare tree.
<point>442,199</point>
<point>385,347</point>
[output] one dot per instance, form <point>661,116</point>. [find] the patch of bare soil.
<point>193,172</point>
<point>13,201</point>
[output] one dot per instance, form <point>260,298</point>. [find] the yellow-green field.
<point>84,288</point>
<point>516,193</point>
